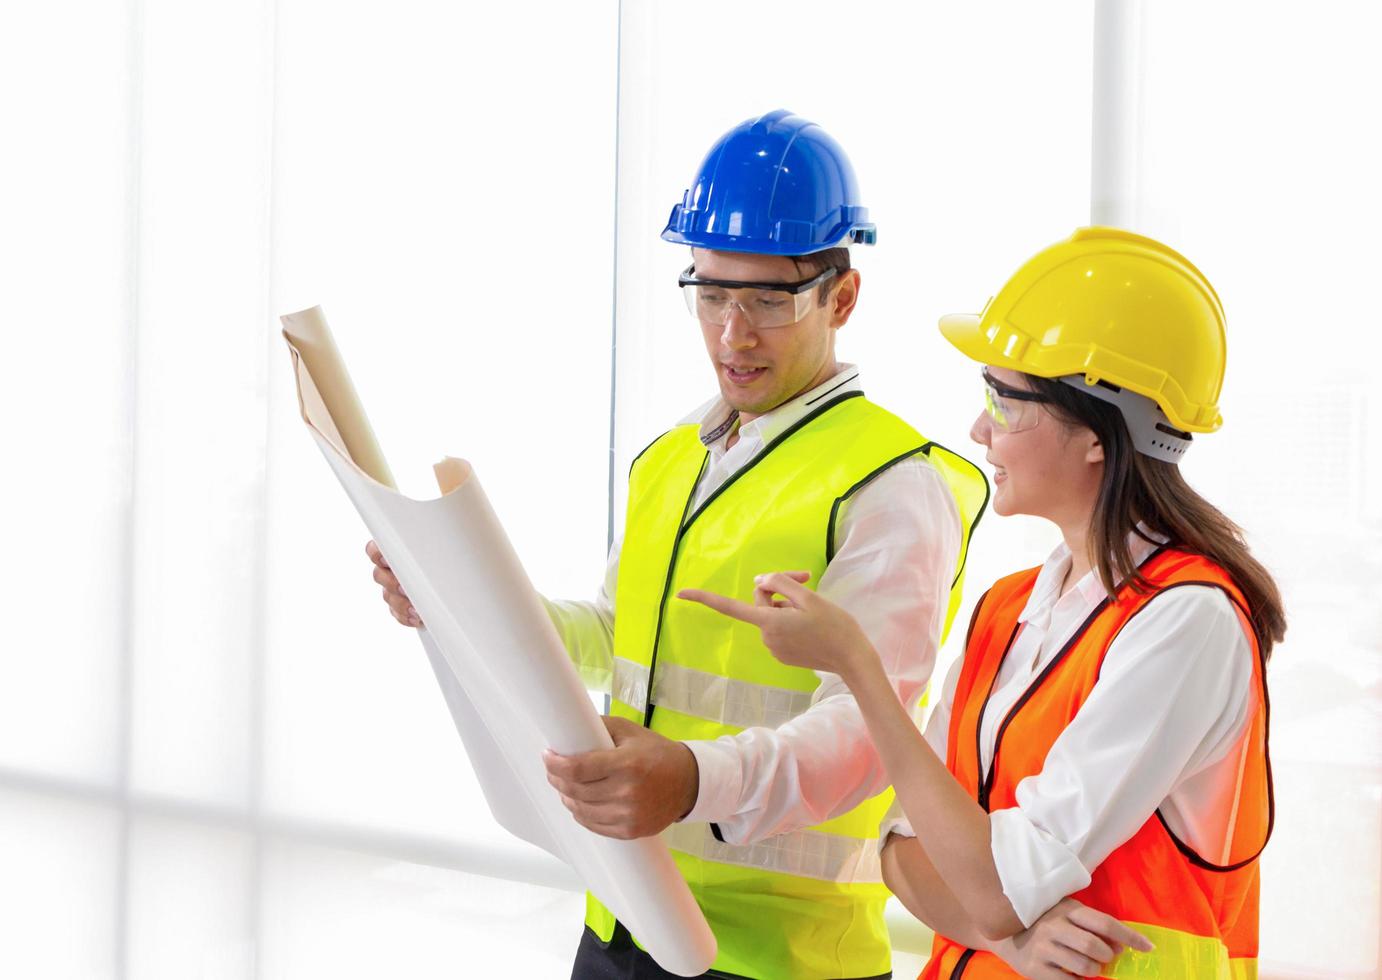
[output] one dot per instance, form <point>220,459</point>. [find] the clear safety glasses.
<point>762,304</point>
<point>1010,409</point>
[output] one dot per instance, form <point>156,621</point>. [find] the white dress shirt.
<point>898,545</point>
<point>1163,728</point>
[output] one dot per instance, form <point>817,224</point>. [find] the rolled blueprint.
<point>507,680</point>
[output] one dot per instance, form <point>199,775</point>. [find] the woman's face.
<point>1042,466</point>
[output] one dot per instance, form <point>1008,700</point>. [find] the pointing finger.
<point>724,605</point>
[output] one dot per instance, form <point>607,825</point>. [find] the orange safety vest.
<point>1201,915</point>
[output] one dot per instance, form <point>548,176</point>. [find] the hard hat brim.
<point>750,246</point>
<point>966,332</point>
<point>969,335</point>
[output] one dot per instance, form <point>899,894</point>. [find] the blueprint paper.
<point>506,678</point>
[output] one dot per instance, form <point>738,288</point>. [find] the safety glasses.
<point>762,304</point>
<point>1010,409</point>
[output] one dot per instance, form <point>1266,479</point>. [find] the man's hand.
<point>394,595</point>
<point>1070,938</point>
<point>636,789</point>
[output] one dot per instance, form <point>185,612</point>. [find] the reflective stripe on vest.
<point>1192,956</point>
<point>808,902</point>
<point>1202,916</point>
<point>801,853</point>
<point>740,704</point>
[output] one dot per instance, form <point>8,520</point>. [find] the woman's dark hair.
<point>1139,489</point>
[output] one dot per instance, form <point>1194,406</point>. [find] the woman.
<point>1104,735</point>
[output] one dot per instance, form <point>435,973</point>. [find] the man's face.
<point>759,369</point>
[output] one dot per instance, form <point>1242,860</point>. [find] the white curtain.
<point>218,756</point>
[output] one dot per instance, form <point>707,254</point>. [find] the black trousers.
<point>620,960</point>
<point>623,960</point>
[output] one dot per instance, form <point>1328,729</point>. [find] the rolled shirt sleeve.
<point>1171,702</point>
<point>586,628</point>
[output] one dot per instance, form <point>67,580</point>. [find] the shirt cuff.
<point>1035,869</point>
<point>894,822</point>
<point>721,779</point>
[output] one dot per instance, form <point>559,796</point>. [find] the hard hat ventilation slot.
<point>1144,418</point>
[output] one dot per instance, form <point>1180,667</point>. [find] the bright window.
<point>218,755</point>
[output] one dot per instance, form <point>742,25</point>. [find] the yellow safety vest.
<point>807,903</point>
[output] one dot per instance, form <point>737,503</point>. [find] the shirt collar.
<point>717,420</point>
<point>1090,589</point>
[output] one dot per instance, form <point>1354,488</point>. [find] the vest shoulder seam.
<point>859,485</point>
<point>642,452</point>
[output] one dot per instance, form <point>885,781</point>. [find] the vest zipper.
<point>987,782</point>
<point>685,524</point>
<point>991,777</point>
<point>682,525</point>
<point>986,778</point>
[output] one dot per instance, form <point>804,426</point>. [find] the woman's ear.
<point>1095,452</point>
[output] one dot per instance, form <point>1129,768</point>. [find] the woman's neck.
<point>1077,540</point>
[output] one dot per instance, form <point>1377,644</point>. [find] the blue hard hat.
<point>775,185</point>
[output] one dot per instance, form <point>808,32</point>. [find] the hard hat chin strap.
<point>1152,435</point>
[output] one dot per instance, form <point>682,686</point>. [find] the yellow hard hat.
<point>1115,307</point>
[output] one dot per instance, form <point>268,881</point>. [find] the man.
<point>761,777</point>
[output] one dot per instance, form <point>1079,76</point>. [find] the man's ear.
<point>846,295</point>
